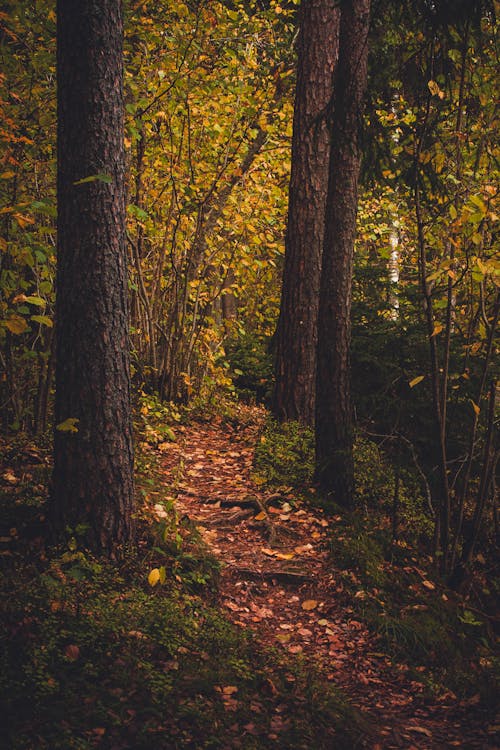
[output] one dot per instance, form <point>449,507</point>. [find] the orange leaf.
<point>309,604</point>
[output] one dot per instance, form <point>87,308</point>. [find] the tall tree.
<point>334,421</point>
<point>93,456</point>
<point>317,47</point>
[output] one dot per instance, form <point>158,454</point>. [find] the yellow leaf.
<point>285,555</point>
<point>416,381</point>
<point>309,604</point>
<point>69,425</point>
<point>435,90</point>
<point>163,574</point>
<point>438,327</point>
<point>260,516</point>
<point>23,221</point>
<point>258,480</point>
<point>475,406</point>
<point>428,585</point>
<point>154,577</point>
<point>16,325</point>
<point>44,320</point>
<point>283,637</point>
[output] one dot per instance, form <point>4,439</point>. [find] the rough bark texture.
<point>93,467</point>
<point>334,422</point>
<point>317,47</point>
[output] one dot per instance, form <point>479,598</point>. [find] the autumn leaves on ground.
<point>279,579</point>
<point>241,623</point>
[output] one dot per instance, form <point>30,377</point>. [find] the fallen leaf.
<point>137,634</point>
<point>309,604</point>
<point>422,730</point>
<point>72,652</point>
<point>283,637</point>
<point>10,477</point>
<point>154,577</point>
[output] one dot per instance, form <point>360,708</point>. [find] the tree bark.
<point>334,421</point>
<point>317,47</point>
<point>93,466</point>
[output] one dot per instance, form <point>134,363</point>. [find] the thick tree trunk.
<point>294,393</point>
<point>334,422</point>
<point>93,467</point>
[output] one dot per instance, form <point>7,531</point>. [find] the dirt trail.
<point>277,580</point>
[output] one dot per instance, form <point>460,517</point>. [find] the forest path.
<point>277,579</point>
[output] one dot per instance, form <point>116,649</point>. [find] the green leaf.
<point>44,208</point>
<point>139,213</point>
<point>38,301</point>
<point>479,203</point>
<point>168,432</point>
<point>94,178</point>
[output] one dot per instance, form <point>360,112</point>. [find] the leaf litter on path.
<point>288,594</point>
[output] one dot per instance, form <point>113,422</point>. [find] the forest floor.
<point>279,580</point>
<point>242,620</point>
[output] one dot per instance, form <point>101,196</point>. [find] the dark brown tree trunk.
<point>317,47</point>
<point>93,466</point>
<point>334,422</point>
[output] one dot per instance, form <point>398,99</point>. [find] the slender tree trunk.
<point>93,467</point>
<point>334,421</point>
<point>294,394</point>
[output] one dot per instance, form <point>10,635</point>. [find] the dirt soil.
<point>278,580</point>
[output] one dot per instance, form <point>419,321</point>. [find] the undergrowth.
<point>105,660</point>
<point>93,655</point>
<point>446,639</point>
